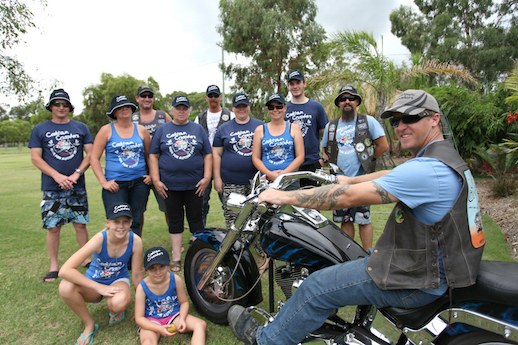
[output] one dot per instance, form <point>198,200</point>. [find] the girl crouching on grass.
<point>161,301</point>
<point>108,275</point>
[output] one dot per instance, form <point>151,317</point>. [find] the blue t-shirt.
<point>311,118</point>
<point>347,159</point>
<point>181,149</point>
<point>160,306</point>
<point>236,140</point>
<point>277,151</point>
<point>104,269</point>
<point>62,148</point>
<point>125,157</point>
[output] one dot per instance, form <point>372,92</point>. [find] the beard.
<point>348,113</point>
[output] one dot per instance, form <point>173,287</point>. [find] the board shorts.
<point>358,214</point>
<point>60,207</point>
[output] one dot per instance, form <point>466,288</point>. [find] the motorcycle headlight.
<point>235,202</point>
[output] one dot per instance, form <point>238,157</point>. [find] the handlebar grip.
<point>333,179</point>
<point>262,207</point>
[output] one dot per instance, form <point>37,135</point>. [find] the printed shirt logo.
<point>181,145</point>
<point>63,145</point>
<point>345,139</point>
<point>474,218</point>
<point>300,118</point>
<point>128,153</point>
<point>278,150</point>
<point>109,270</point>
<point>241,142</point>
<point>163,307</point>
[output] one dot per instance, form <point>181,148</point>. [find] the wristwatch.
<point>79,171</point>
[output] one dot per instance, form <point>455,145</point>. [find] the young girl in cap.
<point>161,301</point>
<point>108,275</point>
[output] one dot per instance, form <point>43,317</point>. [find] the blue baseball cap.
<point>179,100</point>
<point>276,97</point>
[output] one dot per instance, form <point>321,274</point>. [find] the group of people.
<point>179,160</point>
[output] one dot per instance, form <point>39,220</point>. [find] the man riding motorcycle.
<point>432,242</point>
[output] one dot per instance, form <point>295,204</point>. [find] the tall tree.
<point>16,19</point>
<point>97,98</point>
<point>276,35</point>
<point>479,34</point>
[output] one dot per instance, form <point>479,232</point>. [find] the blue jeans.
<point>327,289</point>
<point>134,193</point>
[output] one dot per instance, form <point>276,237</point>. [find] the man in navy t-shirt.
<point>311,117</point>
<point>57,149</point>
<point>232,148</point>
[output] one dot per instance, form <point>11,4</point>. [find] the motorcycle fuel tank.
<point>291,238</point>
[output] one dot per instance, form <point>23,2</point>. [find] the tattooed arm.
<point>331,197</point>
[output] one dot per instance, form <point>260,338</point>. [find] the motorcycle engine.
<point>289,277</point>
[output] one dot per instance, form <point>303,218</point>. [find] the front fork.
<point>230,239</point>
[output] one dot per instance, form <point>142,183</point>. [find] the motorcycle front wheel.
<point>215,299</point>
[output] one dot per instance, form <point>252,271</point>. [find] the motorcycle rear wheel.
<point>221,284</point>
<point>478,338</point>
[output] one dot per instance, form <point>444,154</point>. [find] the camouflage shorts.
<point>230,216</point>
<point>359,215</point>
<point>65,206</point>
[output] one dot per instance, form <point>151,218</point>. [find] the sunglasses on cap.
<point>407,119</point>
<point>212,95</point>
<point>60,104</point>
<point>147,95</point>
<point>278,106</point>
<point>347,98</point>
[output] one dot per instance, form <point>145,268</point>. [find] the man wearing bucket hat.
<point>354,141</point>
<point>433,238</point>
<point>211,119</point>
<point>57,149</point>
<point>151,119</point>
<point>311,117</point>
<point>125,179</point>
<point>232,148</point>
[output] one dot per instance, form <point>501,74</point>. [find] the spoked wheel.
<point>213,301</point>
<point>479,338</point>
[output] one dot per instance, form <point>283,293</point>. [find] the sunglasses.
<point>278,106</point>
<point>347,98</point>
<point>212,95</point>
<point>59,104</point>
<point>407,119</point>
<point>147,95</point>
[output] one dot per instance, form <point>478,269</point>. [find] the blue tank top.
<point>278,151</point>
<point>105,269</point>
<point>160,306</point>
<point>125,157</point>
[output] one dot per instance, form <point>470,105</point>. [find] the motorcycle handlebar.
<point>282,180</point>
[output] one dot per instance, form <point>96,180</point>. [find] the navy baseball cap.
<point>178,100</point>
<point>59,94</point>
<point>297,75</point>
<point>155,256</point>
<point>119,102</point>
<point>213,89</point>
<point>240,98</point>
<point>276,97</point>
<point>143,89</point>
<point>119,210</point>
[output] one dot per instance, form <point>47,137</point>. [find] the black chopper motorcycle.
<point>221,271</point>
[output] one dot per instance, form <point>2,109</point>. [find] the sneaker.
<point>243,325</point>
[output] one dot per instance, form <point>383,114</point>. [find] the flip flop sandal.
<point>112,316</point>
<point>51,275</point>
<point>90,335</point>
<point>176,266</point>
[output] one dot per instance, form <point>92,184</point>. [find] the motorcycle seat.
<point>496,283</point>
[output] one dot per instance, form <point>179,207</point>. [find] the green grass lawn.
<point>33,312</point>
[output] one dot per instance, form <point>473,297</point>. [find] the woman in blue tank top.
<point>125,179</point>
<point>278,147</point>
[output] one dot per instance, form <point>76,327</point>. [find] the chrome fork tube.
<point>227,244</point>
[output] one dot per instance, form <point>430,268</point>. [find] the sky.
<point>173,41</point>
